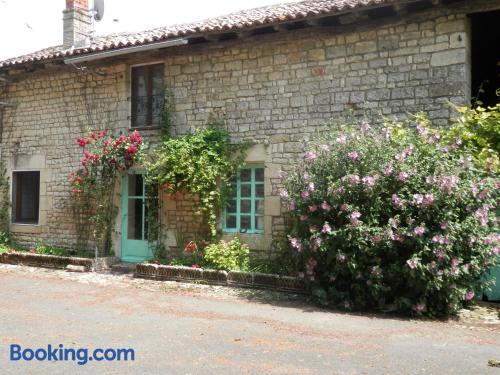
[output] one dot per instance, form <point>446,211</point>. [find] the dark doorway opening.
<point>485,50</point>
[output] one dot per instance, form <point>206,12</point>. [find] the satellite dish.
<point>98,9</point>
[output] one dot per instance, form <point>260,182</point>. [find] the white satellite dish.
<point>98,9</point>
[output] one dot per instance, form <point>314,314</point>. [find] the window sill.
<point>25,228</point>
<point>144,128</point>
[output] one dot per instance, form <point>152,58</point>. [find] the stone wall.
<point>277,90</point>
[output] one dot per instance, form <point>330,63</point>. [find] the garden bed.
<point>42,260</point>
<point>232,278</point>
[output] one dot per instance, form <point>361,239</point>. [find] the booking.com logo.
<point>59,353</point>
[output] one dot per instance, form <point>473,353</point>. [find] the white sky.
<point>30,25</point>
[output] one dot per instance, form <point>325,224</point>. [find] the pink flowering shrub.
<point>392,217</point>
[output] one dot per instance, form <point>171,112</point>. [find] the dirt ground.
<point>177,328</point>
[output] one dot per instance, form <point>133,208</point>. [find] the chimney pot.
<point>77,24</point>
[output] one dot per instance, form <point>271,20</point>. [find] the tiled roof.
<point>232,22</point>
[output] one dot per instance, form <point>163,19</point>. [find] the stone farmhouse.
<point>278,74</point>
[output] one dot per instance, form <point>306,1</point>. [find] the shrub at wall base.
<point>392,217</point>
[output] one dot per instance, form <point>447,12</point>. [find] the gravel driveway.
<point>195,329</point>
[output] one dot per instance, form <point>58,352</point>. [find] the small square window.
<point>25,197</point>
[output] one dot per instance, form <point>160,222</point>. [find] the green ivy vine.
<point>200,163</point>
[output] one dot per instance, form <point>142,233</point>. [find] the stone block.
<point>456,56</point>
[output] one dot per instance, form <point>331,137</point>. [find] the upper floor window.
<point>147,95</point>
<point>25,197</point>
<point>245,213</point>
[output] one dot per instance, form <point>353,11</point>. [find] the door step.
<point>123,268</point>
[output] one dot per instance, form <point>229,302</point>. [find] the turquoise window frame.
<point>253,202</point>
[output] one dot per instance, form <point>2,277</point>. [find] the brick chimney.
<point>77,24</point>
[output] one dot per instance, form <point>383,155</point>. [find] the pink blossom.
<point>313,208</point>
<point>311,188</point>
<point>448,183</point>
<point>413,263</point>
<point>469,295</point>
<point>428,200</point>
<point>443,225</point>
<point>353,179</point>
<point>422,130</point>
<point>376,238</point>
<point>354,217</point>
<point>310,155</point>
<point>456,144</point>
<point>325,206</point>
<point>344,207</point>
<point>342,140</point>
<point>295,243</point>
<point>341,257</point>
<point>440,254</point>
<point>402,176</point>
<point>482,213</point>
<point>284,194</point>
<point>397,202</point>
<point>388,169</point>
<point>434,139</point>
<point>430,180</point>
<point>318,241</point>
<point>399,157</point>
<point>418,198</point>
<point>365,127</point>
<point>281,174</point>
<point>324,148</point>
<point>306,176</point>
<point>408,151</point>
<point>354,156</point>
<point>419,231</point>
<point>326,229</point>
<point>369,182</point>
<point>304,195</point>
<point>291,206</point>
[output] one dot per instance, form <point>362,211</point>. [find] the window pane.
<point>232,207</point>
<point>259,174</point>
<point>245,223</point>
<point>246,190</point>
<point>135,185</point>
<point>231,221</point>
<point>259,223</point>
<point>25,197</point>
<point>246,206</point>
<point>147,95</point>
<point>134,227</point>
<point>139,96</point>
<point>259,207</point>
<point>245,175</point>
<point>259,191</point>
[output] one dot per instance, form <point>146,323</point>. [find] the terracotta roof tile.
<point>232,22</point>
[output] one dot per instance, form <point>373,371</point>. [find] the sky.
<point>30,25</point>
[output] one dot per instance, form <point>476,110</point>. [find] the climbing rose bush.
<point>392,218</point>
<point>103,156</point>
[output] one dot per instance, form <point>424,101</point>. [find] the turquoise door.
<point>494,293</point>
<point>134,247</point>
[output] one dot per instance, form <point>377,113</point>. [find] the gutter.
<point>125,51</point>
